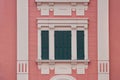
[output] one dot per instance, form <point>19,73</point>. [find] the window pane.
<point>45,45</point>
<point>63,45</point>
<point>80,45</point>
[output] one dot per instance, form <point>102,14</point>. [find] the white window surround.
<point>54,24</point>
<point>62,6</point>
<point>71,24</point>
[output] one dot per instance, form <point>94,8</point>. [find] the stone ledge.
<point>62,1</point>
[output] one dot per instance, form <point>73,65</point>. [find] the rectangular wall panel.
<point>22,39</point>
<point>103,39</point>
<point>103,30</point>
<point>22,29</point>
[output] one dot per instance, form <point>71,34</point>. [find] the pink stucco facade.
<point>8,41</point>
<point>91,13</point>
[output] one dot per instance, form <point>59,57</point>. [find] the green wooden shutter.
<point>80,45</point>
<point>45,45</point>
<point>62,45</point>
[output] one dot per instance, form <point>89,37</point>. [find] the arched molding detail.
<point>63,77</point>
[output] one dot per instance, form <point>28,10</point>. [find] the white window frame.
<point>64,24</point>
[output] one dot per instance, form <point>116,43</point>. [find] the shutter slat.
<point>63,45</point>
<point>45,45</point>
<point>80,45</point>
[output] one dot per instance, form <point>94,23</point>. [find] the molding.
<point>62,66</point>
<point>51,44</point>
<point>62,22</point>
<point>74,43</point>
<point>62,7</point>
<point>73,25</point>
<point>62,61</point>
<point>45,69</point>
<point>103,30</point>
<point>62,1</point>
<point>103,39</point>
<point>22,40</point>
<point>103,70</point>
<point>22,67</point>
<point>22,29</point>
<point>39,45</point>
<point>103,66</point>
<point>62,77</point>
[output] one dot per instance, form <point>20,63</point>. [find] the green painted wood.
<point>45,45</point>
<point>80,45</point>
<point>62,45</point>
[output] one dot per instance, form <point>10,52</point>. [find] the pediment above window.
<point>62,7</point>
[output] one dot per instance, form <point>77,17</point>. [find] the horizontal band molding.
<point>72,20</point>
<point>62,61</point>
<point>62,1</point>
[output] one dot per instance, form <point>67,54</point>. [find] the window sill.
<point>62,61</point>
<point>62,1</point>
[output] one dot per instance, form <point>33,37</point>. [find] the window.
<point>45,45</point>
<point>80,45</point>
<point>62,45</point>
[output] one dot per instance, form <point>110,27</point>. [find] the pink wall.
<point>91,72</point>
<point>7,39</point>
<point>115,39</point>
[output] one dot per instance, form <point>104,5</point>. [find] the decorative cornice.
<point>64,21</point>
<point>58,65</point>
<point>62,7</point>
<point>63,77</point>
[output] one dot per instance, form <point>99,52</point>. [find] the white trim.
<point>22,40</point>
<point>103,30</point>
<point>74,44</point>
<point>51,44</point>
<point>103,39</point>
<point>22,29</point>
<point>63,68</point>
<point>62,24</point>
<point>62,7</point>
<point>62,21</point>
<point>62,1</point>
<point>45,69</point>
<point>62,77</point>
<point>62,28</point>
<point>39,44</point>
<point>62,61</point>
